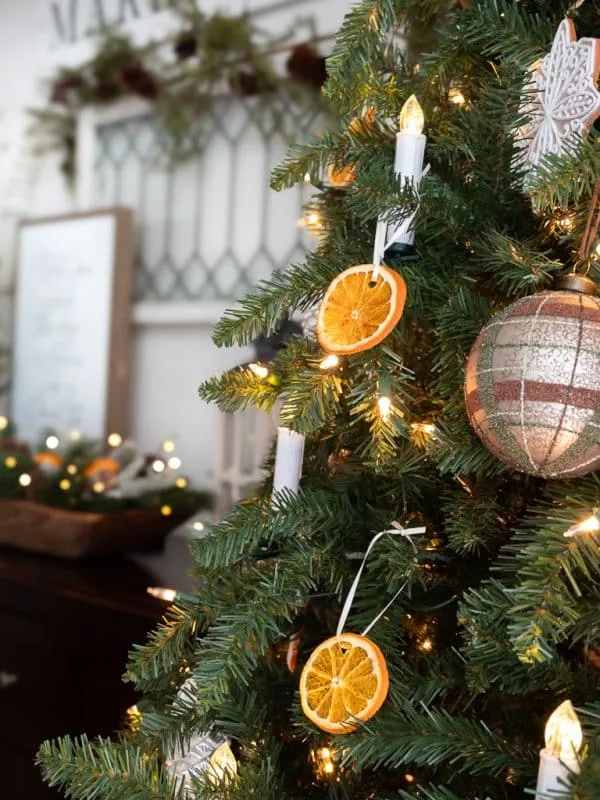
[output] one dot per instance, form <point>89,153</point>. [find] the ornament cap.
<point>574,282</point>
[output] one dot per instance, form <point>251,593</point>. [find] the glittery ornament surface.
<point>533,384</point>
<point>195,759</point>
<point>563,101</point>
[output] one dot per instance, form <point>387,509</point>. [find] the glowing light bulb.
<point>181,483</point>
<point>385,406</point>
<point>75,436</point>
<point>426,645</point>
<point>25,479</point>
<point>424,427</point>
<point>72,469</point>
<point>590,524</point>
<point>198,526</point>
<point>52,442</point>
<point>98,487</point>
<point>411,117</point>
<point>168,446</point>
<point>166,511</point>
<point>563,732</point>
<point>259,370</point>
<point>456,96</point>
<point>65,484</point>
<point>161,593</point>
<point>174,462</point>
<point>222,765</point>
<point>3,422</point>
<point>158,465</point>
<point>409,778</point>
<point>114,439</point>
<point>10,462</point>
<point>306,178</point>
<point>329,362</point>
<point>313,220</point>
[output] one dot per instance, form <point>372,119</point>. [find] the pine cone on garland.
<point>304,64</point>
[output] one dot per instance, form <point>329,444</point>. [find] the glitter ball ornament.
<point>532,385</point>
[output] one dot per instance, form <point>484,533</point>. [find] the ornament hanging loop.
<point>397,530</point>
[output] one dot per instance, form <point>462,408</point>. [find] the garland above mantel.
<point>181,76</point>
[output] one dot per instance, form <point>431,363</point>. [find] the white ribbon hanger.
<point>397,530</point>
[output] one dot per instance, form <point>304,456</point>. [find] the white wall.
<point>171,357</point>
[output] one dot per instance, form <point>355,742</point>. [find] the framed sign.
<point>72,324</point>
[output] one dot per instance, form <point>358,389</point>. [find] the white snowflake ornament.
<point>565,100</point>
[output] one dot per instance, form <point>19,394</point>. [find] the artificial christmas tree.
<point>491,619</point>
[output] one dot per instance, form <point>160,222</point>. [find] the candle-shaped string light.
<point>289,455</point>
<point>410,154</point>
<point>590,524</point>
<point>559,757</point>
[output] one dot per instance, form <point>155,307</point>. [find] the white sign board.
<point>72,314</point>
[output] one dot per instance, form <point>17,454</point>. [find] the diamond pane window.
<point>210,227</point>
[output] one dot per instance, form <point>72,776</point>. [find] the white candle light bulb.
<point>52,442</point>
<point>563,732</point>
<point>559,758</point>
<point>412,118</point>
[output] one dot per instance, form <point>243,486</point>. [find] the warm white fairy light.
<point>174,462</point>
<point>456,96</point>
<point>10,462</point>
<point>198,526</point>
<point>181,483</point>
<point>423,427</point>
<point>166,510</point>
<point>75,435</point>
<point>385,406</point>
<point>114,439</point>
<point>3,422</point>
<point>65,484</point>
<point>162,593</point>
<point>168,446</point>
<point>329,362</point>
<point>72,469</point>
<point>158,465</point>
<point>98,487</point>
<point>590,524</point>
<point>52,442</point>
<point>25,479</point>
<point>259,370</point>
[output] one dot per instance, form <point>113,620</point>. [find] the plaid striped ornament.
<point>532,388</point>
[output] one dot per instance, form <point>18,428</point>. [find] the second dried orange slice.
<point>360,308</point>
<point>344,681</point>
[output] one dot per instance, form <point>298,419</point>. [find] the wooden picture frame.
<point>72,324</point>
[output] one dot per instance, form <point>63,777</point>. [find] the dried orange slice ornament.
<point>344,681</point>
<point>361,307</point>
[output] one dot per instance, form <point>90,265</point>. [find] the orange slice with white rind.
<point>360,308</point>
<point>344,681</point>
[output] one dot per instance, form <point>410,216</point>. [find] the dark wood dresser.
<point>65,631</point>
